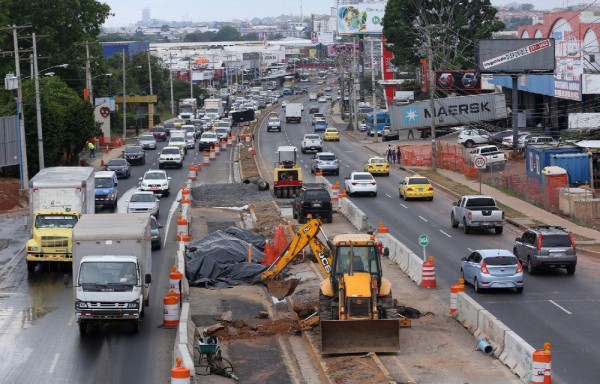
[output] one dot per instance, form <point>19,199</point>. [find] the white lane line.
<point>560,306</point>
<point>71,320</point>
<point>56,356</point>
<point>445,233</point>
<point>346,165</point>
<point>422,218</point>
<point>388,196</point>
<point>469,249</point>
<point>404,206</point>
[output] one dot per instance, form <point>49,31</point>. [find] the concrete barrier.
<point>184,344</point>
<point>517,355</point>
<point>467,312</point>
<point>358,218</point>
<point>492,329</point>
<point>406,259</point>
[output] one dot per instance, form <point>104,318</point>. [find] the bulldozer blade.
<point>359,336</point>
<point>282,288</point>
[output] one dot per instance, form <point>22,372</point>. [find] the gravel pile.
<point>228,195</point>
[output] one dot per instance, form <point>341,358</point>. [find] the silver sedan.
<point>147,142</point>
<point>492,268</point>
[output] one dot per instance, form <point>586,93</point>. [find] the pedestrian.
<point>92,149</point>
<point>398,155</point>
<point>388,153</point>
<point>394,155</point>
<point>411,134</point>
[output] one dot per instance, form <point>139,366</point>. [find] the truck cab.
<point>106,189</point>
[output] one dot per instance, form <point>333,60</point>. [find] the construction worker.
<point>92,149</point>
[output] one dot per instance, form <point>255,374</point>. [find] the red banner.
<point>386,56</point>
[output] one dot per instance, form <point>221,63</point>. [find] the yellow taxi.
<point>178,123</point>
<point>377,166</point>
<point>415,187</point>
<point>331,134</point>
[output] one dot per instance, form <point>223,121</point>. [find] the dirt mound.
<point>9,195</point>
<point>238,329</point>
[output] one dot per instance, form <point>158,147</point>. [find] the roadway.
<point>554,307</point>
<point>40,339</point>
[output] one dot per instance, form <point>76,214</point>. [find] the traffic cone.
<point>182,228</point>
<point>280,242</point>
<point>269,254</point>
<point>428,276</point>
<point>198,168</point>
<point>180,374</point>
<point>102,162</point>
<point>341,196</point>
<point>382,228</point>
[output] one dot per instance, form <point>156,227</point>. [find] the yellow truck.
<point>58,196</point>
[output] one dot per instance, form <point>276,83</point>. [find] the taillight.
<point>539,242</point>
<point>409,189</point>
<point>572,241</point>
<point>502,215</point>
<point>373,183</point>
<point>484,268</point>
<point>354,183</point>
<point>519,267</point>
<point>469,215</point>
<point>430,189</point>
<point>302,204</point>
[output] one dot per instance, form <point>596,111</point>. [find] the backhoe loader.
<point>356,309</point>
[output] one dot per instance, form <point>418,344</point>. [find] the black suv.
<point>312,199</point>
<point>314,109</point>
<point>546,246</point>
<point>134,155</point>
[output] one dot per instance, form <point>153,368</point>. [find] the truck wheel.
<point>325,307</point>
<point>136,326</point>
<point>83,328</point>
<point>31,266</point>
<point>530,268</point>
<point>329,217</point>
<point>389,309</point>
<point>453,222</point>
<point>571,269</point>
<point>466,228</point>
<point>499,230</point>
<point>166,193</point>
<point>469,144</point>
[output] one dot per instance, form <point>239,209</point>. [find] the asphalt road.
<point>554,308</point>
<point>40,341</point>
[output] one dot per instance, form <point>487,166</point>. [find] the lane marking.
<point>424,219</point>
<point>71,320</point>
<point>388,196</point>
<point>56,356</point>
<point>470,250</point>
<point>404,206</point>
<point>560,306</point>
<point>445,233</point>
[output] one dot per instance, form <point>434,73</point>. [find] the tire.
<point>337,172</point>
<point>388,309</point>
<point>166,193</point>
<point>136,326</point>
<point>466,228</point>
<point>571,269</point>
<point>83,328</point>
<point>476,286</point>
<point>329,217</point>
<point>469,144</point>
<point>312,171</point>
<point>405,198</point>
<point>498,230</point>
<point>160,166</point>
<point>530,268</point>
<point>301,218</point>
<point>453,222</point>
<point>519,289</point>
<point>431,198</point>
<point>31,266</point>
<point>325,307</point>
<point>374,194</point>
<point>294,214</point>
<point>159,246</point>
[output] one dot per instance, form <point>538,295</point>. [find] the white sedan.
<point>156,181</point>
<point>361,182</point>
<point>143,202</point>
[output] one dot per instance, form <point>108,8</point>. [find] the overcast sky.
<point>128,12</point>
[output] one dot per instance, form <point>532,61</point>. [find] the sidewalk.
<point>529,210</point>
<point>101,157</point>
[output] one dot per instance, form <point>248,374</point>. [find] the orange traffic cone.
<point>280,242</point>
<point>541,365</point>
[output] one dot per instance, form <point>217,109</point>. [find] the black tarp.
<point>239,117</point>
<point>221,259</point>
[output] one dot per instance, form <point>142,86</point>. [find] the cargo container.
<point>573,159</point>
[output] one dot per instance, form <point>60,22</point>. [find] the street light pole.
<point>171,83</point>
<point>38,108</point>
<point>21,117</point>
<point>150,73</point>
<point>124,102</point>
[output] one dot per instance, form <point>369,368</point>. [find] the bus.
<point>383,119</point>
<point>288,81</point>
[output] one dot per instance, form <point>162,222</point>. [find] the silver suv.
<point>546,246</point>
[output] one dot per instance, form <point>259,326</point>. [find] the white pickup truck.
<point>477,212</point>
<point>311,142</point>
<point>493,156</point>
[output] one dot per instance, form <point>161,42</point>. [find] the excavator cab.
<point>287,180</point>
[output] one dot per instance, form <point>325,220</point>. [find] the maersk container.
<point>539,157</point>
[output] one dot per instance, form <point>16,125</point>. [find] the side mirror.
<point>66,280</point>
<point>169,178</point>
<point>463,259</point>
<point>386,252</point>
<point>455,203</point>
<point>148,278</point>
<point>159,226</point>
<point>141,178</point>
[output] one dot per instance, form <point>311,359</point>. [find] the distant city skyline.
<point>128,12</point>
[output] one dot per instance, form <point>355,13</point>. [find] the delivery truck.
<point>112,268</point>
<point>293,112</point>
<point>213,107</point>
<point>58,196</point>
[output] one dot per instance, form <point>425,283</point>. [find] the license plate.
<point>502,285</point>
<point>154,189</point>
<point>420,189</point>
<point>557,254</point>
<point>316,205</point>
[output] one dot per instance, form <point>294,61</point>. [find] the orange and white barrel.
<point>229,141</point>
<point>454,290</point>
<point>182,227</point>
<point>171,311</point>
<point>541,370</point>
<point>186,240</point>
<point>223,144</point>
<point>335,193</point>
<point>247,138</point>
<point>212,154</point>
<point>340,197</point>
<point>180,374</point>
<point>205,158</point>
<point>198,168</point>
<point>428,276</point>
<point>175,278</point>
<point>217,147</point>
<point>192,172</point>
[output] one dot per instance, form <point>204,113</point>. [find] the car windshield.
<point>147,138</point>
<point>221,130</point>
<point>108,273</point>
<point>501,260</point>
<point>326,157</point>
<point>133,150</point>
<point>169,125</point>
<point>312,137</point>
<point>177,139</point>
<point>103,182</point>
<point>364,259</point>
<point>363,176</point>
<point>117,163</point>
<point>209,136</point>
<point>320,122</point>
<point>143,198</point>
<point>418,180</point>
<point>158,129</point>
<point>170,151</point>
<point>155,176</point>
<point>378,161</point>
<point>556,240</point>
<point>55,221</point>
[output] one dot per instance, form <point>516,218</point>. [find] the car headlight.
<point>133,304</point>
<point>81,305</point>
<point>32,249</point>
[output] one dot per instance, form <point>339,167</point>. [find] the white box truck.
<point>293,112</point>
<point>112,269</point>
<point>58,196</point>
<point>214,108</point>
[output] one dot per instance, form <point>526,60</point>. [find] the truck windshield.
<point>364,259</point>
<point>108,273</point>
<point>103,182</point>
<point>55,221</point>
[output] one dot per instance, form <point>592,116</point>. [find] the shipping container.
<point>539,157</point>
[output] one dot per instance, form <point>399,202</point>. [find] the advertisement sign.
<point>515,55</point>
<point>204,75</point>
<point>569,68</point>
<point>250,56</point>
<point>457,80</point>
<point>449,111</point>
<point>325,37</point>
<point>361,18</point>
<point>110,101</point>
<point>312,52</point>
<point>386,61</point>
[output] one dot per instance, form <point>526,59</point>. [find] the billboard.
<point>515,55</point>
<point>457,80</point>
<point>361,18</point>
<point>449,111</point>
<point>569,68</point>
<point>325,38</point>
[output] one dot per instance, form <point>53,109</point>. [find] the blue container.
<point>539,157</point>
<point>576,164</point>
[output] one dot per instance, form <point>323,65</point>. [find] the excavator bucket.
<point>359,336</point>
<point>282,288</point>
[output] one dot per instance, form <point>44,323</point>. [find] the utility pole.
<point>38,109</point>
<point>191,84</point>
<point>124,102</point>
<point>373,83</point>
<point>150,73</point>
<point>354,115</point>
<point>361,65</point>
<point>21,117</point>
<point>171,83</point>
<point>431,78</point>
<point>88,74</point>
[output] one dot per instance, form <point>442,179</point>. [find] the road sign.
<point>480,162</point>
<point>423,240</point>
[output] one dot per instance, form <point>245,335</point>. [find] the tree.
<point>454,26</point>
<point>527,7</point>
<point>165,28</point>
<point>251,37</point>
<point>228,34</point>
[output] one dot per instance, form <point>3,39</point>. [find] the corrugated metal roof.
<point>61,177</point>
<point>115,226</point>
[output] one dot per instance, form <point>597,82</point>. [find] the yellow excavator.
<point>356,310</point>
